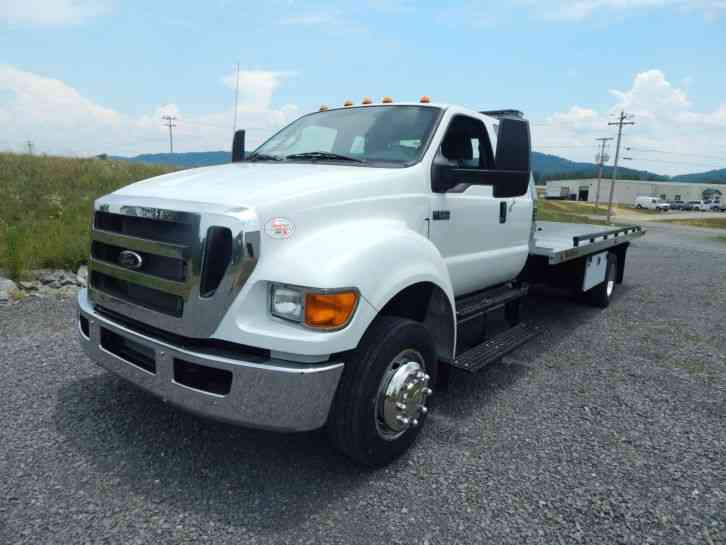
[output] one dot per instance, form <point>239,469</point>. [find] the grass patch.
<point>567,212</point>
<point>720,239</point>
<point>45,208</point>
<point>572,207</point>
<point>714,223</point>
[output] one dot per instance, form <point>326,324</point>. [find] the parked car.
<point>677,205</point>
<point>713,206</point>
<point>698,206</point>
<point>651,203</point>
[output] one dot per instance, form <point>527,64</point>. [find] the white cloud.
<point>579,10</point>
<point>256,87</point>
<point>59,120</point>
<point>665,120</point>
<point>51,12</point>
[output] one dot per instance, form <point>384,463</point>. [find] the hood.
<point>253,184</point>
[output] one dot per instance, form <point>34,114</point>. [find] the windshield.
<point>374,134</point>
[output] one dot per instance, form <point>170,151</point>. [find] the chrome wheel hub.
<point>401,401</point>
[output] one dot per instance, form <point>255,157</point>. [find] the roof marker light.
<point>323,108</point>
<point>425,99</point>
<point>366,101</point>
<point>348,103</point>
<point>387,100</point>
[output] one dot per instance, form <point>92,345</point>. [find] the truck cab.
<point>324,279</point>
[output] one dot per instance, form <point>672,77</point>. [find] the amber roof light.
<point>348,103</point>
<point>425,99</point>
<point>366,101</point>
<point>323,108</point>
<point>387,100</point>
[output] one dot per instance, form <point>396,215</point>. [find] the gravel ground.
<point>608,429</point>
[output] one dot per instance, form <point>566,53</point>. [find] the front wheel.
<point>382,398</point>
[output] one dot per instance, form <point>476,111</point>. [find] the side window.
<point>466,144</point>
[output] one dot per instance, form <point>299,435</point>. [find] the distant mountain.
<point>711,176</point>
<point>545,167</point>
<point>182,160</point>
<point>550,167</point>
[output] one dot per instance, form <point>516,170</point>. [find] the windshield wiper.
<point>323,155</point>
<point>264,157</point>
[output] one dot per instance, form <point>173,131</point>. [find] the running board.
<point>488,300</point>
<point>493,349</point>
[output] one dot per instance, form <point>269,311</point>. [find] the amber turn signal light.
<point>329,310</point>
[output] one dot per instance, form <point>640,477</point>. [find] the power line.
<point>677,153</point>
<point>620,122</point>
<point>170,119</point>
<point>676,162</point>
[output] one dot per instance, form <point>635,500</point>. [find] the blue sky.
<point>91,76</point>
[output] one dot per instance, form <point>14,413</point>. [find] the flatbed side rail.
<point>592,237</point>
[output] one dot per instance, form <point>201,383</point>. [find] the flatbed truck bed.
<point>560,242</point>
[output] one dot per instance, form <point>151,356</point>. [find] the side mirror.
<point>512,158</point>
<point>238,146</point>
<point>442,174</point>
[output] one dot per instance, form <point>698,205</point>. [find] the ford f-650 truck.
<point>337,274</point>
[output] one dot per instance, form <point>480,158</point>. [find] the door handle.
<point>502,212</point>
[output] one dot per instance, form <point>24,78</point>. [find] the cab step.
<point>493,349</point>
<point>489,300</point>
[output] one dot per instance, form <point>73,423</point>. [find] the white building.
<point>627,190</point>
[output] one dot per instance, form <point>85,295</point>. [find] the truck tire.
<point>600,295</point>
<point>380,407</point>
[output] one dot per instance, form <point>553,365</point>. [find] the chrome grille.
<point>173,250</point>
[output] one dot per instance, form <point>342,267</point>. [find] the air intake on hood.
<point>217,255</point>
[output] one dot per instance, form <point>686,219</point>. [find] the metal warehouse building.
<point>627,190</point>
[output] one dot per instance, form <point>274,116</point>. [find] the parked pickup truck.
<point>336,275</point>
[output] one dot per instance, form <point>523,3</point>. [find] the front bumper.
<point>271,394</point>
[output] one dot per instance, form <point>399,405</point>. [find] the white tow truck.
<point>336,275</point>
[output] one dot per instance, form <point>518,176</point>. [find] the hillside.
<point>181,160</point>
<point>545,166</point>
<point>46,207</point>
<point>711,176</point>
<point>549,167</point>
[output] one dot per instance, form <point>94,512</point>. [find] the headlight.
<point>287,303</point>
<point>319,309</point>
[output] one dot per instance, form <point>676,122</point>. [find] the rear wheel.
<point>381,402</point>
<point>601,294</point>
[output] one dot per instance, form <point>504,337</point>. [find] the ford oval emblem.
<point>130,260</point>
<point>279,228</point>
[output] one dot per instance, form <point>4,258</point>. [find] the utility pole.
<point>620,122</point>
<point>30,147</point>
<point>601,160</point>
<point>170,123</point>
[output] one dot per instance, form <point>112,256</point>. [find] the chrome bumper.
<point>274,394</point>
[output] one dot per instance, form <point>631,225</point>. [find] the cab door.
<point>483,239</point>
